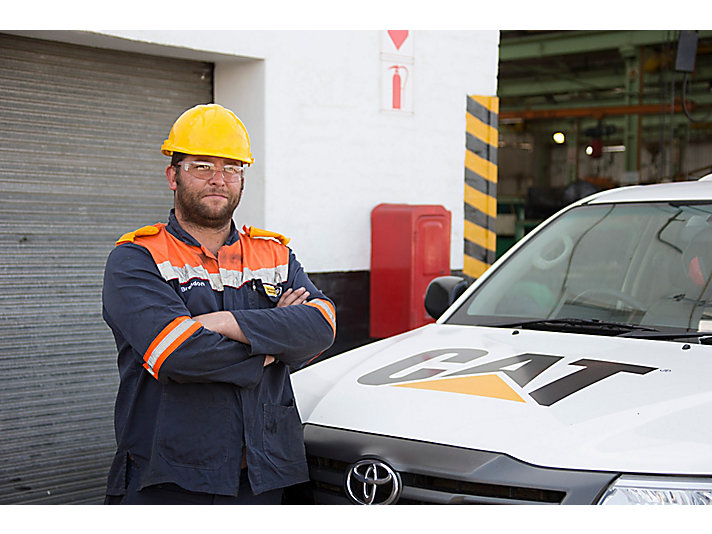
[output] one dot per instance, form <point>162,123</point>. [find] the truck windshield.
<point>638,264</point>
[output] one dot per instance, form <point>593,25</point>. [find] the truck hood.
<point>547,398</point>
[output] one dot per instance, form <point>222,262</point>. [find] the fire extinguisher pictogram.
<point>398,86</point>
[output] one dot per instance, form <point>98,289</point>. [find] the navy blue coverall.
<point>191,400</point>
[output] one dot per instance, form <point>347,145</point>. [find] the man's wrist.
<point>223,322</point>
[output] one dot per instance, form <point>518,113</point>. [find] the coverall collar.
<point>177,230</point>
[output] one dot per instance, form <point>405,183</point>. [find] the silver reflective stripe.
<point>216,281</point>
<point>166,342</point>
<point>273,275</point>
<point>226,278</point>
<point>183,274</point>
<point>325,308</point>
<point>231,278</point>
<point>236,279</point>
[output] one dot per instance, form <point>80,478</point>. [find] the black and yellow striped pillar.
<point>481,184</point>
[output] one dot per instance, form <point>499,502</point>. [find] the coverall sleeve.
<point>145,313</point>
<point>292,334</point>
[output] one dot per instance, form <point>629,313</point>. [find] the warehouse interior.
<point>581,111</point>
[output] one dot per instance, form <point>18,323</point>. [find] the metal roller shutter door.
<point>80,131</point>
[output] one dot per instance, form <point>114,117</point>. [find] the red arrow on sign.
<point>398,36</point>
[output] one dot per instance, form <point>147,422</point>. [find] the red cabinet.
<point>410,245</point>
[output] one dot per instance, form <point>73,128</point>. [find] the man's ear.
<point>171,177</point>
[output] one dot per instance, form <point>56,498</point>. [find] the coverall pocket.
<point>191,427</point>
<point>282,434</point>
<point>268,294</point>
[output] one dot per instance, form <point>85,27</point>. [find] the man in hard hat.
<point>208,323</point>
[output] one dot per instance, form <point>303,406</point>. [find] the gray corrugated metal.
<point>80,131</point>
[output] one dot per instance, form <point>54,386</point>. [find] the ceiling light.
<point>595,148</point>
<point>559,138</point>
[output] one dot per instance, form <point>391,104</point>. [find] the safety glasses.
<point>205,170</point>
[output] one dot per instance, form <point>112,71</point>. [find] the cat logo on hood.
<point>451,370</point>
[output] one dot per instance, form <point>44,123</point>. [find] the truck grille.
<point>432,473</point>
<point>425,489</point>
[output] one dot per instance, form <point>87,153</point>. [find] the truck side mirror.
<point>442,292</point>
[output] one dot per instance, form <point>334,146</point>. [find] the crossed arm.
<point>224,322</point>
<point>153,324</point>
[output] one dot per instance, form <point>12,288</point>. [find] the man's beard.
<point>195,212</point>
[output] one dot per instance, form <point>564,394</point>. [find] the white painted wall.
<point>326,154</point>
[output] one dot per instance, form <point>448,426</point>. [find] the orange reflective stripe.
<point>175,322</point>
<point>170,338</point>
<point>173,346</point>
<point>326,309</point>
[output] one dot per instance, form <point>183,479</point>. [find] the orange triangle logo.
<point>482,385</point>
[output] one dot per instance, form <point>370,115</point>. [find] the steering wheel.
<point>544,263</point>
<point>618,295</point>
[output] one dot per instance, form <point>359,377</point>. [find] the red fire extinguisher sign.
<point>397,71</point>
<point>398,85</point>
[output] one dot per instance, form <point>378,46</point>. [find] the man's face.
<point>208,203</point>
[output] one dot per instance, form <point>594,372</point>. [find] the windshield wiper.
<point>591,326</point>
<point>705,337</point>
<point>596,326</point>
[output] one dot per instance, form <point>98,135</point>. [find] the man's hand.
<point>223,322</point>
<point>293,297</point>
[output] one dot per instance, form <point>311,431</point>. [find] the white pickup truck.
<point>576,370</point>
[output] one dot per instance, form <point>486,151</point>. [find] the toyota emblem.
<point>372,482</point>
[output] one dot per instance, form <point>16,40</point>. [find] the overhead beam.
<point>581,41</point>
<point>558,83</point>
<point>562,83</point>
<point>651,125</point>
<point>591,111</point>
<point>697,100</point>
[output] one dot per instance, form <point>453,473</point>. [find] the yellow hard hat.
<point>209,130</point>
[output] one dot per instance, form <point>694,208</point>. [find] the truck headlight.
<point>630,489</point>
